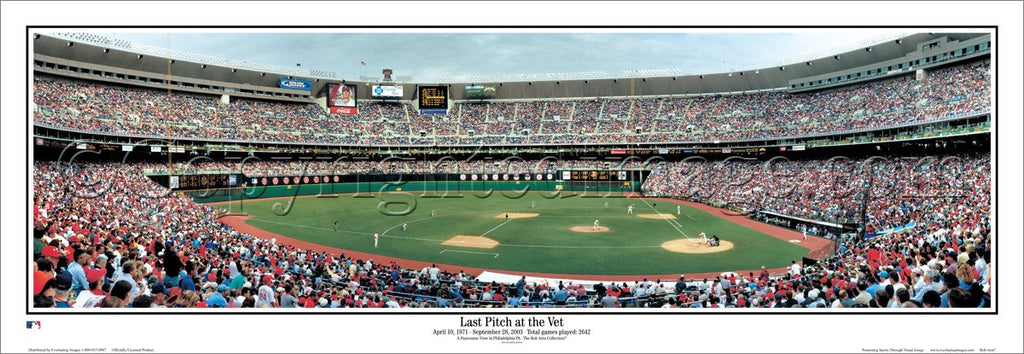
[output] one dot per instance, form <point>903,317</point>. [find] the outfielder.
<point>376,237</point>
<point>679,210</point>
<point>405,227</point>
<point>629,210</point>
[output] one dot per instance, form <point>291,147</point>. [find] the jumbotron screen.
<point>481,91</point>
<point>433,97</point>
<point>341,98</point>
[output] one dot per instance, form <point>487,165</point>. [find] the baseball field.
<point>530,233</point>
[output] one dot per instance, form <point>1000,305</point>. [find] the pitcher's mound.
<point>590,229</point>
<point>656,216</point>
<point>516,215</point>
<point>470,241</point>
<point>684,245</point>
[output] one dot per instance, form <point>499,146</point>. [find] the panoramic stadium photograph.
<point>452,170</point>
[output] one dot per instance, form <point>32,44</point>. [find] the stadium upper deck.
<point>945,93</point>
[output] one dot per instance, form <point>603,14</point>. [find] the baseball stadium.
<point>859,178</point>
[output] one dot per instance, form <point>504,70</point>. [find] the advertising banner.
<point>296,84</point>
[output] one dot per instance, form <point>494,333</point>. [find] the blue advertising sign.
<point>295,84</point>
<point>433,111</point>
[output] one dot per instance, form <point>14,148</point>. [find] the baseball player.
<point>405,227</point>
<point>629,210</point>
<point>433,212</point>
<point>679,210</point>
<point>533,205</point>
<point>606,205</point>
<point>703,238</point>
<point>376,237</point>
<point>335,225</point>
<point>597,224</point>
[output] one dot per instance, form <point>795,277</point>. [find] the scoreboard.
<point>596,175</point>
<point>589,175</point>
<point>188,182</point>
<point>433,97</point>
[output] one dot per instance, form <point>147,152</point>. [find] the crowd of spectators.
<point>104,108</point>
<point>940,205</point>
<point>890,192</point>
<point>264,168</point>
<point>107,236</point>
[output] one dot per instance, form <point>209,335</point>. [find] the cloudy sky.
<point>426,57</point>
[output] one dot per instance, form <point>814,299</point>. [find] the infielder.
<point>533,205</point>
<point>629,210</point>
<point>703,238</point>
<point>597,224</point>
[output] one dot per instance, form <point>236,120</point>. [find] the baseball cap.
<point>222,287</point>
<point>158,288</point>
<point>323,302</point>
<point>883,274</point>
<point>95,274</point>
<point>50,251</point>
<point>63,281</point>
<point>267,279</point>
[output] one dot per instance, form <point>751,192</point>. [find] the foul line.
<point>670,223</point>
<point>496,227</point>
<point>448,250</point>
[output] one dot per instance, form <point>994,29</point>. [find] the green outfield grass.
<point>539,244</point>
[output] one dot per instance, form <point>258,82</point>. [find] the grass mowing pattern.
<point>539,244</point>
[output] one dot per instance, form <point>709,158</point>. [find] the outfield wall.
<point>428,188</point>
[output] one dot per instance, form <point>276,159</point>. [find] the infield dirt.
<point>685,245</point>
<point>471,241</point>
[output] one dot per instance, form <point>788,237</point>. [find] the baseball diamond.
<point>544,243</point>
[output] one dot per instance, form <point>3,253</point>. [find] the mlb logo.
<point>33,325</point>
